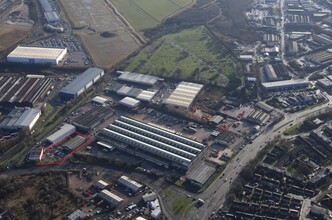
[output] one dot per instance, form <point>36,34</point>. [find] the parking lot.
<point>77,56</point>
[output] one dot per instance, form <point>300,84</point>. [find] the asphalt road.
<point>215,195</point>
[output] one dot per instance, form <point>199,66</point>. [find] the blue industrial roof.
<point>81,81</point>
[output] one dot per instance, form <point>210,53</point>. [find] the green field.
<point>143,14</point>
<point>182,205</point>
<point>192,54</point>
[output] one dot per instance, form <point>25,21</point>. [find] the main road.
<point>215,195</point>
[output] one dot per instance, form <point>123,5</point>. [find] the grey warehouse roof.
<point>27,117</point>
<point>63,130</point>
<point>138,78</point>
<point>81,81</point>
<point>154,140</point>
<point>201,174</point>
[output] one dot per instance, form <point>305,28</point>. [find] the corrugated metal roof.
<point>201,174</point>
<point>138,78</point>
<point>82,80</point>
<point>27,117</point>
<point>63,130</point>
<point>51,16</point>
<point>184,94</point>
<point>36,52</point>
<point>146,95</point>
<point>130,102</point>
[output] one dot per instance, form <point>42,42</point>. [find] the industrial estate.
<point>206,109</point>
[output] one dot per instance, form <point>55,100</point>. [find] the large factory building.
<point>81,83</point>
<point>151,143</point>
<point>38,55</point>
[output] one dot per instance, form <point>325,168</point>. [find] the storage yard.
<point>58,152</point>
<point>98,18</point>
<point>76,53</point>
<point>23,91</point>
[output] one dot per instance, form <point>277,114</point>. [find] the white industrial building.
<point>201,174</point>
<point>130,184</point>
<point>81,83</point>
<point>285,85</point>
<point>138,78</point>
<point>101,184</point>
<point>129,102</point>
<point>37,55</point>
<point>99,100</point>
<point>77,215</point>
<point>146,95</point>
<point>110,198</point>
<point>21,118</point>
<point>64,131</point>
<point>184,95</point>
<point>149,197</point>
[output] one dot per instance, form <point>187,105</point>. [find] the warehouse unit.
<point>285,85</point>
<point>152,143</point>
<point>94,117</point>
<point>321,57</point>
<point>276,72</point>
<point>23,91</point>
<point>110,198</point>
<point>81,83</point>
<point>101,184</point>
<point>36,154</point>
<point>183,95</point>
<point>146,95</point>
<point>20,118</point>
<point>130,184</point>
<point>51,15</point>
<point>64,131</point>
<point>129,102</point>
<point>200,175</point>
<point>39,55</point>
<point>138,78</point>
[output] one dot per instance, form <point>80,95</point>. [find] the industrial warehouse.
<point>63,132</point>
<point>81,83</point>
<point>183,95</point>
<point>285,85</point>
<point>138,78</point>
<point>20,118</point>
<point>130,91</point>
<point>94,117</point>
<point>23,91</point>
<point>130,184</point>
<point>110,198</point>
<point>38,55</point>
<point>151,143</point>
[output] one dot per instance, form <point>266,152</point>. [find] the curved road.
<point>215,195</point>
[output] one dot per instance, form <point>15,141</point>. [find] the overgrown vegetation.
<point>191,54</point>
<point>40,196</point>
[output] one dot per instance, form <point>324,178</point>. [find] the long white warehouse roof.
<point>184,94</point>
<point>36,52</point>
<point>138,78</point>
<point>66,129</point>
<point>132,184</point>
<point>284,83</point>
